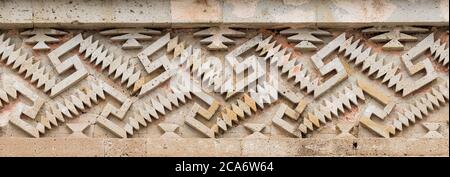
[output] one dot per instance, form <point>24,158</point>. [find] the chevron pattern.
<point>422,107</point>
<point>72,106</point>
<point>25,66</point>
<point>332,107</point>
<point>117,66</point>
<point>158,107</point>
<point>439,51</point>
<point>207,102</point>
<point>243,107</point>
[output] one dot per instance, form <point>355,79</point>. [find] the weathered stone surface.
<point>224,78</point>
<point>221,147</point>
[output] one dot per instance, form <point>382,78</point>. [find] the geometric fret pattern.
<point>220,82</point>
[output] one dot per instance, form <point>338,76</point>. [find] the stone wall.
<point>224,78</point>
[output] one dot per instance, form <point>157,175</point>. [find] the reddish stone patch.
<point>350,115</point>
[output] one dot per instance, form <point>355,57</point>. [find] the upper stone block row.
<point>109,13</point>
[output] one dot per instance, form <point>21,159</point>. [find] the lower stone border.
<point>222,147</point>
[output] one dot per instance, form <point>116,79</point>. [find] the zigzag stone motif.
<point>118,67</point>
<point>86,99</point>
<point>279,56</point>
<point>37,74</point>
<point>210,72</point>
<point>243,107</point>
<point>353,51</point>
<point>388,71</point>
<point>7,94</point>
<point>440,52</point>
<point>432,100</point>
<point>332,106</point>
<point>72,106</point>
<point>174,97</point>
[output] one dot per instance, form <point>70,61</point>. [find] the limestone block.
<point>16,14</point>
<point>209,11</point>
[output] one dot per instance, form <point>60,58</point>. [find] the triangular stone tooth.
<point>64,110</point>
<point>140,119</point>
<point>164,101</point>
<point>221,124</point>
<point>411,117</point>
<point>151,110</point>
<point>91,49</point>
<point>244,107</point>
<point>77,102</point>
<point>432,100</point>
<point>119,71</point>
<point>398,125</point>
<point>415,111</point>
<point>85,44</point>
<point>438,95</point>
<point>133,79</point>
<point>239,112</point>
<point>132,44</point>
<point>393,44</point>
<point>158,106</point>
<point>51,118</point>
<point>56,112</point>
<point>421,106</point>
<point>107,61</point>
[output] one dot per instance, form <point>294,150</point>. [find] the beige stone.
<point>74,61</point>
<point>334,65</point>
<point>394,36</point>
<point>217,37</point>
<point>97,78</point>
